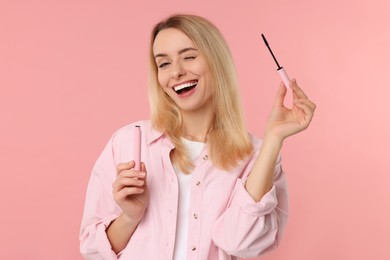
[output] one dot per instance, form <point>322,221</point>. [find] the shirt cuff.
<point>104,245</point>
<point>244,200</point>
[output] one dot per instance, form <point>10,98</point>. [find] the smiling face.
<point>182,70</point>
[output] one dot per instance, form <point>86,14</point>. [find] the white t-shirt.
<point>184,181</point>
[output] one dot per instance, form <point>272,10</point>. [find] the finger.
<point>127,191</point>
<point>125,166</point>
<point>126,182</point>
<point>307,102</point>
<point>295,96</point>
<point>131,174</point>
<point>297,90</point>
<point>304,107</point>
<point>143,167</point>
<point>308,113</point>
<point>143,171</point>
<point>280,95</point>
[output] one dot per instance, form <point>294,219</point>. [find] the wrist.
<point>273,140</point>
<point>127,220</point>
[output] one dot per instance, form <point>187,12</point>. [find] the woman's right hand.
<point>130,190</point>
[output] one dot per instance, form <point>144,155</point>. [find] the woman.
<point>206,189</point>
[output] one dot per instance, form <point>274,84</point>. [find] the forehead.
<point>171,41</point>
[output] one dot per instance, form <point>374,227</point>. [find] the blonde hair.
<point>228,141</point>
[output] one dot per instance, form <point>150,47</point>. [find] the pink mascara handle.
<point>285,78</point>
<point>137,148</point>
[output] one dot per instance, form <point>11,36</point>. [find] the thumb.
<point>143,169</point>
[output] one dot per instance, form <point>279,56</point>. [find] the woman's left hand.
<point>284,122</point>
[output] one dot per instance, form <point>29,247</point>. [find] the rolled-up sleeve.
<point>100,209</point>
<point>248,228</point>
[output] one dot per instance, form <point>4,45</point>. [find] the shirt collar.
<point>151,133</point>
<point>154,135</point>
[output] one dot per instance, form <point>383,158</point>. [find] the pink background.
<point>72,72</point>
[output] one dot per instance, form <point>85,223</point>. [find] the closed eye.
<point>190,58</point>
<point>162,65</point>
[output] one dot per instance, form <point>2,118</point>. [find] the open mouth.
<point>183,88</point>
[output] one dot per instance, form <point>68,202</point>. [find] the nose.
<point>177,70</point>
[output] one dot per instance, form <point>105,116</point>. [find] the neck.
<point>197,124</point>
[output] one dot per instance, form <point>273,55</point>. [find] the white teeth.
<point>185,85</point>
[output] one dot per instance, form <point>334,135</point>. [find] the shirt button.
<point>197,183</point>
<point>193,248</point>
<point>195,216</point>
<point>205,157</point>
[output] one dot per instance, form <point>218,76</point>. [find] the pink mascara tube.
<point>281,71</point>
<point>137,148</point>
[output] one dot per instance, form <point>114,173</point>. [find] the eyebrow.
<point>180,52</point>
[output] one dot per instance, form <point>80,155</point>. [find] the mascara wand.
<point>281,71</point>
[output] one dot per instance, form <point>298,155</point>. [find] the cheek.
<point>203,69</point>
<point>206,73</point>
<point>162,79</point>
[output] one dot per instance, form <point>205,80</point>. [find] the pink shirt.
<point>225,222</point>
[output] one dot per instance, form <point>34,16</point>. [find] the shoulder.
<point>126,132</point>
<point>145,125</point>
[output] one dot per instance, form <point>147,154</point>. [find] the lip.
<point>187,94</point>
<point>184,82</point>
